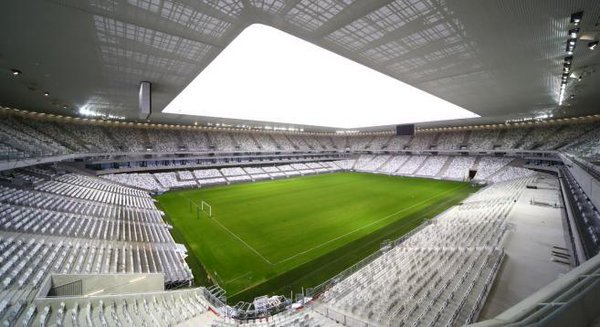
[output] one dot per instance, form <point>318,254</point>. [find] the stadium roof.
<point>494,58</point>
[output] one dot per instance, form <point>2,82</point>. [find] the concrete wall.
<point>588,183</point>
<point>113,283</point>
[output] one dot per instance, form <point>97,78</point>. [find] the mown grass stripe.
<point>313,227</point>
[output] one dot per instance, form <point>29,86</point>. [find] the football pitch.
<point>273,237</point>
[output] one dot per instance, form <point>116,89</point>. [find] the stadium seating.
<point>21,138</point>
<point>432,166</point>
<point>346,164</point>
<point>380,142</point>
<point>422,141</point>
<point>440,274</point>
<point>363,163</point>
<point>361,142</point>
<point>450,141</point>
<point>57,222</point>
<point>489,166</point>
<point>411,165</point>
<point>393,164</point>
<point>143,181</point>
<point>160,182</point>
<point>588,147</point>
<point>282,142</point>
<point>482,139</point>
<point>509,173</point>
<point>76,224</point>
<point>459,168</point>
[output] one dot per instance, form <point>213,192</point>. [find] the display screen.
<point>408,129</point>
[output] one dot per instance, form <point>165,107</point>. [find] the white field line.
<point>246,244</point>
<point>238,277</point>
<point>233,234</point>
<point>365,226</point>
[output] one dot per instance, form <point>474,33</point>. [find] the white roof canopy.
<point>268,75</point>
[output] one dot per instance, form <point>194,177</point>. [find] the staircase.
<point>256,143</point>
<point>210,140</point>
<point>401,166</point>
<point>385,162</point>
<point>72,136</point>
<point>272,139</point>
<point>158,182</point>
<point>580,139</point>
<point>387,142</point>
<point>306,143</point>
<point>422,164</point>
<point>445,167</point>
<point>515,163</point>
<point>369,142</point>
<point>475,165</point>
<point>408,144</point>
<point>538,144</point>
<point>113,140</point>
<point>498,142</point>
<point>523,138</point>
<point>435,141</point>
<point>180,143</point>
<point>296,147</point>
<point>146,138</point>
<point>466,138</point>
<point>321,144</point>
<point>355,162</point>
<point>235,143</point>
<point>333,145</point>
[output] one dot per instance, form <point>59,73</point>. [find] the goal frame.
<point>203,204</point>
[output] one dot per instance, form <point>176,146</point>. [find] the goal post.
<point>206,208</point>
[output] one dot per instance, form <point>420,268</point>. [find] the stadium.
<point>299,163</point>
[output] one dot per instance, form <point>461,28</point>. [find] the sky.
<point>268,75</point>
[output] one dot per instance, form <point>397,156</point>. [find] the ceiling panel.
<point>494,58</point>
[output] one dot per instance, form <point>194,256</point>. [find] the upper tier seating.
<point>20,137</point>
<point>450,141</point>
<point>483,140</point>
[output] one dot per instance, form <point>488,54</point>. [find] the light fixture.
<point>568,60</point>
<point>592,45</point>
<point>65,107</point>
<point>576,17</point>
<point>46,93</point>
<point>573,32</point>
<point>570,46</point>
<point>16,72</point>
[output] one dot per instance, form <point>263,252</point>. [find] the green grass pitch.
<point>272,237</point>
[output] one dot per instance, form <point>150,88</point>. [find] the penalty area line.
<point>233,234</point>
<point>238,277</point>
